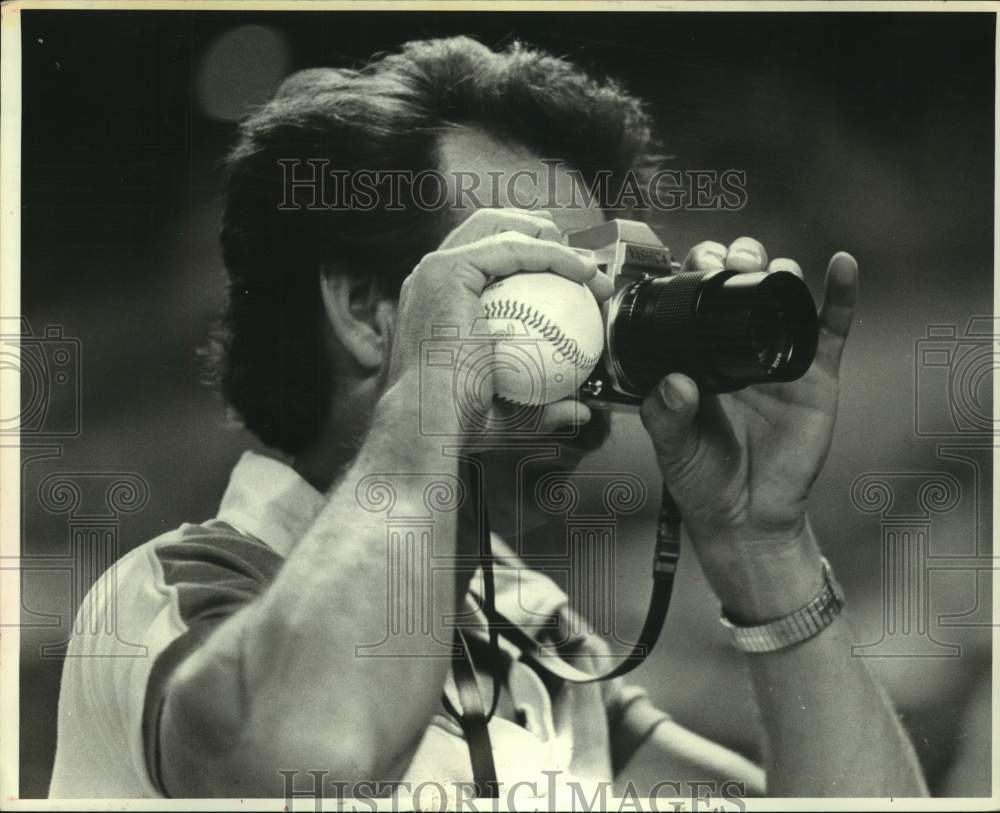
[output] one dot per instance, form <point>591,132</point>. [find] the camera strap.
<point>474,719</point>
<point>665,559</point>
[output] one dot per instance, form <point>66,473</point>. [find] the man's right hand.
<point>444,290</point>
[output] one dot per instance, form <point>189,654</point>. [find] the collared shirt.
<point>139,621</point>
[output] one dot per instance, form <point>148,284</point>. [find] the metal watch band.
<point>795,627</point>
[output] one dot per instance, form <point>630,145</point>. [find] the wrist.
<point>758,581</point>
<point>411,420</point>
<point>794,628</point>
<point>428,401</point>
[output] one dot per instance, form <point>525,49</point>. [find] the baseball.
<point>548,335</point>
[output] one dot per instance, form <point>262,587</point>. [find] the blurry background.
<point>866,132</point>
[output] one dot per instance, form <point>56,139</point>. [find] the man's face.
<point>510,175</point>
<point>506,175</point>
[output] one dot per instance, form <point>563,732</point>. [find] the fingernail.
<point>744,260</point>
<point>718,256</point>
<point>746,253</point>
<point>671,398</point>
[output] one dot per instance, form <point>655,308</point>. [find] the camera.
<point>726,330</point>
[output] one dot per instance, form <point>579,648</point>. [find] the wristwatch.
<point>795,627</point>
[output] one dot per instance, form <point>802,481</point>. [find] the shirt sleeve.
<point>631,715</point>
<point>209,577</point>
<point>163,599</point>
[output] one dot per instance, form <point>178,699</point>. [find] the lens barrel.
<point>724,329</point>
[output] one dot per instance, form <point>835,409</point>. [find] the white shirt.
<point>197,575</point>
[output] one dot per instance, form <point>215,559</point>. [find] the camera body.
<point>724,329</point>
<point>628,252</point>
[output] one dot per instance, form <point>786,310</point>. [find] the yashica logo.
<point>646,256</point>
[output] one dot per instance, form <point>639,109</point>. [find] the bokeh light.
<point>241,69</point>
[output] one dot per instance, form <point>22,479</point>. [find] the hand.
<point>741,465</point>
<point>444,290</point>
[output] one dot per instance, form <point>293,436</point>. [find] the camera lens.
<point>725,330</point>
<point>768,340</point>
<point>767,333</point>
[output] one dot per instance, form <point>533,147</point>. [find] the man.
<point>257,622</point>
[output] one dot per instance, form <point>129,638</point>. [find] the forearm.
<point>333,594</point>
<point>830,728</point>
<point>292,656</point>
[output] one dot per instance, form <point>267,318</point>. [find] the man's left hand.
<point>741,465</point>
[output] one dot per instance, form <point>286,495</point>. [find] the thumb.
<point>669,414</point>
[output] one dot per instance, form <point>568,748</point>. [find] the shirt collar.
<point>270,501</point>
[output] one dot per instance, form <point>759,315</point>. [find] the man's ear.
<point>361,319</point>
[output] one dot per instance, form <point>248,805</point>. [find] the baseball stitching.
<point>507,309</point>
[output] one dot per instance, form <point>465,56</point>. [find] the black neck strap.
<point>666,556</point>
<point>474,719</point>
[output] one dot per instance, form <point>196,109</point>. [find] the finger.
<point>746,255</point>
<point>785,264</point>
<point>696,446</point>
<point>837,312</point>
<point>600,284</point>
<point>669,414</point>
<point>482,223</point>
<point>706,256</point>
<point>563,414</point>
<point>509,253</point>
<point>544,419</point>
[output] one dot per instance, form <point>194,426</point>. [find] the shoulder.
<point>196,551</point>
<point>140,608</point>
<point>156,590</point>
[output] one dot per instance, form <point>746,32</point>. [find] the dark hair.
<point>268,354</point>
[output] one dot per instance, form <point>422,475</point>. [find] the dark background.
<point>866,132</point>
